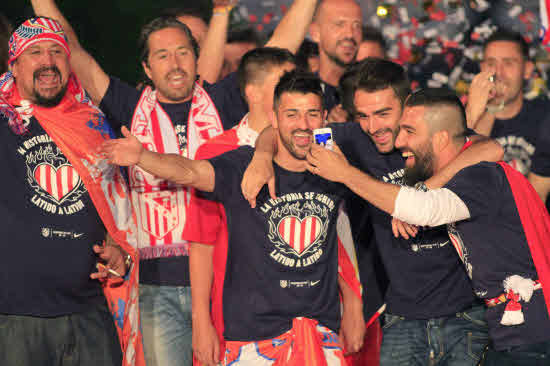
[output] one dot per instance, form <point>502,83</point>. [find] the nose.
<point>499,70</point>
<point>371,124</point>
<point>347,31</point>
<point>47,59</point>
<point>303,122</point>
<point>400,140</point>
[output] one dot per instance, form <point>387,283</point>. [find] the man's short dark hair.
<point>298,81</point>
<point>257,63</point>
<point>509,36</point>
<point>372,75</point>
<point>203,14</point>
<point>372,34</point>
<point>160,23</point>
<point>436,97</point>
<point>307,50</point>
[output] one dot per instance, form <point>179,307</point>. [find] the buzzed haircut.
<point>256,64</point>
<point>509,36</point>
<point>444,111</point>
<point>298,81</point>
<point>163,22</point>
<point>372,34</point>
<point>371,75</point>
<point>307,50</point>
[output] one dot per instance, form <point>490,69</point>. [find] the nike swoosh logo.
<point>76,236</point>
<point>313,283</point>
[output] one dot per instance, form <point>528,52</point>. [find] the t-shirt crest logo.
<point>284,283</point>
<point>299,234</point>
<point>59,182</point>
<point>297,227</point>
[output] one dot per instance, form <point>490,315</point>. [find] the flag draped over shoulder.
<point>78,129</point>
<point>536,225</point>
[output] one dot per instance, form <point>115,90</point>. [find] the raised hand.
<point>258,173</point>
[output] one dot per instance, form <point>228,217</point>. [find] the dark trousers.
<point>83,339</point>
<point>537,354</point>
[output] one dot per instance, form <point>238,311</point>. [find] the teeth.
<point>407,154</point>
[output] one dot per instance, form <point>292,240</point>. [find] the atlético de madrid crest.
<point>297,227</point>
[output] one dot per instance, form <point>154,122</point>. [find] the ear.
<point>325,115</point>
<point>146,69</point>
<point>528,71</point>
<point>253,95</point>
<point>314,32</point>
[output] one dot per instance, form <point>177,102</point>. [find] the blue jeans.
<point>82,339</point>
<point>537,354</point>
<point>166,325</point>
<point>456,340</point>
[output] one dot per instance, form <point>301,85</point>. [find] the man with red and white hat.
<point>58,198</point>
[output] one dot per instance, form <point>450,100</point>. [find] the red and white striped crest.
<point>159,212</point>
<point>58,182</point>
<point>299,234</point>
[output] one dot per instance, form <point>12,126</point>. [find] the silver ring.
<point>492,78</point>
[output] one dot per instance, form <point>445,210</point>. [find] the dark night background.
<point>108,29</point>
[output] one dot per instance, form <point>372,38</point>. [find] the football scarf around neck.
<point>161,206</point>
<point>78,129</point>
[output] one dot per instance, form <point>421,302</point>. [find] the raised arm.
<point>210,60</point>
<point>88,71</point>
<point>432,208</point>
<point>292,29</point>
<point>128,151</point>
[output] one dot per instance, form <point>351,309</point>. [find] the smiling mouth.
<point>409,156</point>
<point>48,79</point>
<point>302,140</point>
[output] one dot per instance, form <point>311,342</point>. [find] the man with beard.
<point>58,198</point>
<point>259,73</point>
<point>491,211</point>
<point>431,315</point>
<point>496,103</point>
<point>337,30</point>
<point>177,116</point>
<point>280,295</point>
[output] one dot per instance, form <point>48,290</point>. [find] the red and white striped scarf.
<point>161,206</point>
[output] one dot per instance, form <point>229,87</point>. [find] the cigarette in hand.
<point>111,271</point>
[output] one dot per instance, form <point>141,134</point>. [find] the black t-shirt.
<point>494,246</point>
<point>49,225</point>
<point>331,97</point>
<point>518,135</point>
<point>119,104</point>
<point>540,162</point>
<point>371,270</point>
<point>426,277</point>
<point>282,259</point>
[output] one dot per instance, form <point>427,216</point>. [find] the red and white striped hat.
<point>36,30</point>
